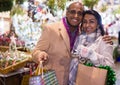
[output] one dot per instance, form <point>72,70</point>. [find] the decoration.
<point>5,41</point>
<point>111,77</point>
<point>12,59</point>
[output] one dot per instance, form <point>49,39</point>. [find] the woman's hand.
<point>85,52</point>
<point>108,39</point>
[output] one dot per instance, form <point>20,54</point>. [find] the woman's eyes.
<point>91,21</point>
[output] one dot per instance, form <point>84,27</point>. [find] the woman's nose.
<point>87,24</point>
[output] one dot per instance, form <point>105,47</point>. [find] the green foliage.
<point>103,8</point>
<point>17,9</point>
<point>6,5</point>
<point>116,54</point>
<point>90,3</point>
<point>54,5</point>
<point>117,11</point>
<point>51,4</point>
<point>111,76</point>
<point>19,1</point>
<point>61,4</point>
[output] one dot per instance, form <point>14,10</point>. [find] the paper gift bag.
<point>43,77</point>
<point>25,79</point>
<point>87,75</point>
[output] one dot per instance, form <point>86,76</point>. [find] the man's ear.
<point>67,13</point>
<point>67,10</point>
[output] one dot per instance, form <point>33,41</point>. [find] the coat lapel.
<point>64,35</point>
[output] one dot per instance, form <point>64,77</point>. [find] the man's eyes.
<point>75,12</point>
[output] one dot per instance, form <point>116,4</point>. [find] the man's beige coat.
<point>55,42</point>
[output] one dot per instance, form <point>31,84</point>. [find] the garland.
<point>111,76</point>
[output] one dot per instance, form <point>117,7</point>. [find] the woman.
<point>89,45</point>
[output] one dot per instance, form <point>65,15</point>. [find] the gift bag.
<point>26,77</point>
<point>43,77</point>
<point>87,75</point>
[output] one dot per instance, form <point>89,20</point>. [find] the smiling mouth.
<point>74,20</point>
<point>88,30</point>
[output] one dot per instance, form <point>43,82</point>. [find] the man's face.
<point>74,14</point>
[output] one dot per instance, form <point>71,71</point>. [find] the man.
<point>57,40</point>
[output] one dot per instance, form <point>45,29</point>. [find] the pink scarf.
<point>73,35</point>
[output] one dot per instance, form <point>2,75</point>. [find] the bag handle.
<point>41,66</point>
<point>39,69</point>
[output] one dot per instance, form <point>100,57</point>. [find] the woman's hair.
<point>98,18</point>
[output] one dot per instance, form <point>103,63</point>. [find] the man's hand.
<point>42,56</point>
<point>108,39</point>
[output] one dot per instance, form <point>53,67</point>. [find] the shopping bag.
<point>43,77</point>
<point>32,66</point>
<point>87,75</point>
<point>25,79</point>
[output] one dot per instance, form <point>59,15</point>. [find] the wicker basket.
<point>14,67</point>
<point>5,48</point>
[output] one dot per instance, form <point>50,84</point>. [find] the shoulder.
<point>100,40</point>
<point>51,25</point>
<point>102,43</point>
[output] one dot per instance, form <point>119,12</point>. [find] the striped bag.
<point>43,77</point>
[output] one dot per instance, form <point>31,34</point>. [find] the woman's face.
<point>89,23</point>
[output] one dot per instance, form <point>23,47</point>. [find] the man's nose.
<point>76,15</point>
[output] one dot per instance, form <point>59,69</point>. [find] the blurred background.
<point>25,17</point>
